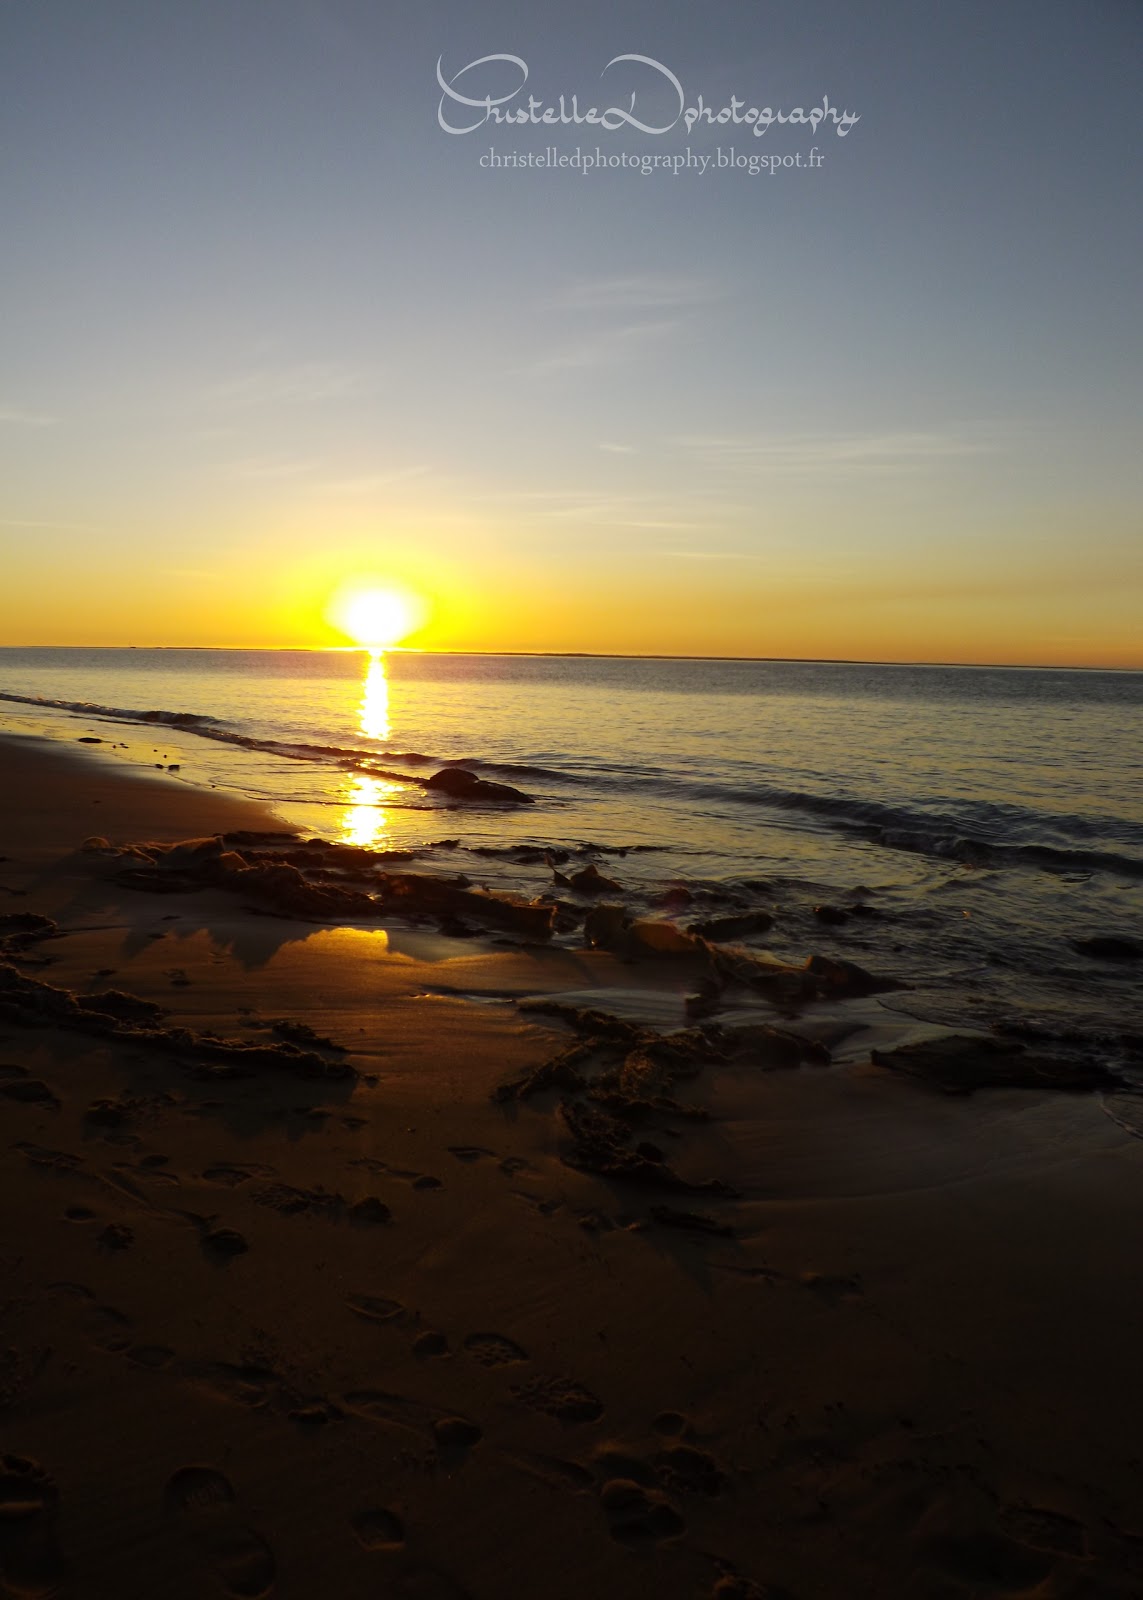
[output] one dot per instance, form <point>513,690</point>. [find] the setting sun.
<point>375,616</point>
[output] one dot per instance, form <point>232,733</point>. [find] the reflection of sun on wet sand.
<point>332,1270</point>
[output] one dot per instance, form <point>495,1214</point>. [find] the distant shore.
<point>304,1298</point>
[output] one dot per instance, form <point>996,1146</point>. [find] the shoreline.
<point>448,1357</point>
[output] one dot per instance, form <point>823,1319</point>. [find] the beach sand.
<point>264,1331</point>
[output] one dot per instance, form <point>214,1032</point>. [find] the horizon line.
<point>595,655</point>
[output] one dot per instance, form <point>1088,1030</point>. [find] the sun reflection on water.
<point>365,820</point>
<point>373,712</point>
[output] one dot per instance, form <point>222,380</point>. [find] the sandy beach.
<point>325,1314</point>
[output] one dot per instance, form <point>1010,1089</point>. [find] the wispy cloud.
<point>706,555</point>
<point>372,482</point>
<point>617,449</point>
<point>817,453</point>
<point>306,383</point>
<point>18,416</point>
<point>637,292</point>
<point>68,527</point>
<point>605,347</point>
<point>259,468</point>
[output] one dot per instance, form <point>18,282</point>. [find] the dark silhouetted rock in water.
<point>833,915</point>
<point>842,979</point>
<point>464,785</point>
<point>591,881</point>
<point>1109,947</point>
<point>740,927</point>
<point>959,1064</point>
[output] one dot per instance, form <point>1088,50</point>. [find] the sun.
<point>376,616</point>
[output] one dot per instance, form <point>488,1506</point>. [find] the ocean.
<point>991,818</point>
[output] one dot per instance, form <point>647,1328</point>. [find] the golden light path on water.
<point>365,821</point>
<point>373,713</point>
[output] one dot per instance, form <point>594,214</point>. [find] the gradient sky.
<point>265,327</point>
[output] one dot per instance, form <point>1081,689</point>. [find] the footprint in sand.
<point>981,1558</point>
<point>205,1501</point>
<point>1046,1530</point>
<point>685,1469</point>
<point>562,1398</point>
<point>425,1583</point>
<point>833,1286</point>
<point>247,1385</point>
<point>469,1152</point>
<point>231,1174</point>
<point>494,1349</point>
<point>377,1528</point>
<point>106,1328</point>
<point>637,1515</point>
<point>29,1558</point>
<point>452,1437</point>
<point>31,1091</point>
<point>375,1308</point>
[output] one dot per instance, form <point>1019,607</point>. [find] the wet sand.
<point>317,1321</point>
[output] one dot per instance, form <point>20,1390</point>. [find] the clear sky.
<point>266,328</point>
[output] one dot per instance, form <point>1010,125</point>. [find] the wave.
<point>365,761</point>
<point>976,841</point>
<point>934,834</point>
<point>172,719</point>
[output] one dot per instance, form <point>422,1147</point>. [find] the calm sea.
<point>991,816</point>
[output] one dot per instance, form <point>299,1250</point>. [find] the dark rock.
<point>465,785</point>
<point>691,1222</point>
<point>420,893</point>
<point>958,1064</point>
<point>833,915</point>
<point>760,1045</point>
<point>841,979</point>
<point>301,1033</point>
<point>589,880</point>
<point>21,929</point>
<point>113,1015</point>
<point>1109,947</point>
<point>600,1146</point>
<point>604,926</point>
<point>737,927</point>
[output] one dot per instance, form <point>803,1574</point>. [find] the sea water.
<point>991,817</point>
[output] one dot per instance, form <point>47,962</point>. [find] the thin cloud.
<point>617,449</point>
<point>816,453</point>
<point>261,468</point>
<point>21,418</point>
<point>370,483</point>
<point>307,383</point>
<point>706,555</point>
<point>639,291</point>
<point>605,348</point>
<point>68,527</point>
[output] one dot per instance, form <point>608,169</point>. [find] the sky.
<point>269,329</point>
